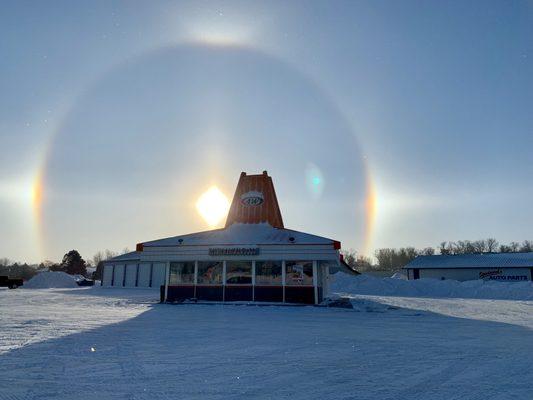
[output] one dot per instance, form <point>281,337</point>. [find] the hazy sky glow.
<point>381,123</point>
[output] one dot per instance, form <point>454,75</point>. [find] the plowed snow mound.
<point>51,279</point>
<point>479,289</point>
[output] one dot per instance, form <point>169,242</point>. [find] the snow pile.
<point>479,289</point>
<point>399,275</point>
<point>51,279</point>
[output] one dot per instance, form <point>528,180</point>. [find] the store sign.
<point>233,251</point>
<point>489,274</point>
<point>500,275</point>
<point>252,198</point>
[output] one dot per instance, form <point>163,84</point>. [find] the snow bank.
<point>51,279</point>
<point>479,289</point>
<point>399,275</point>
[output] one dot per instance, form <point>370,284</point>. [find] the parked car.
<point>11,283</point>
<point>85,282</point>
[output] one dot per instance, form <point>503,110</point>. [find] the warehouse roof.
<point>492,260</point>
<point>131,256</point>
<point>243,234</point>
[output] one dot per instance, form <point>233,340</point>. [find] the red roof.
<point>255,202</point>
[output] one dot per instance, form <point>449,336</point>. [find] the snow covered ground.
<point>95,343</point>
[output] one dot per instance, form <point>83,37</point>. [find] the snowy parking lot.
<point>97,343</point>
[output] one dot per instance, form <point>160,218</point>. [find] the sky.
<point>383,124</point>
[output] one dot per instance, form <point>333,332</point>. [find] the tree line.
<point>392,259</point>
<point>385,259</point>
<point>72,263</point>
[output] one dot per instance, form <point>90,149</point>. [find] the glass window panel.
<point>210,272</point>
<point>181,273</point>
<point>238,272</point>
<point>332,264</point>
<point>299,273</point>
<point>268,273</point>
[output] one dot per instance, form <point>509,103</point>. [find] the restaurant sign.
<point>233,251</point>
<point>252,198</point>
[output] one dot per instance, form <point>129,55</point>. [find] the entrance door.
<point>238,281</point>
<point>416,273</point>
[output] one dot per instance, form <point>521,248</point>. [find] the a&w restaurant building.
<point>254,258</point>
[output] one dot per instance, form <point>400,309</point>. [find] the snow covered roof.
<point>492,260</point>
<point>131,256</point>
<point>243,234</point>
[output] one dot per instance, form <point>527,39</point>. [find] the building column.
<point>195,277</point>
<point>223,281</point>
<point>253,280</point>
<point>167,277</point>
<point>315,280</point>
<point>325,281</point>
<point>283,273</point>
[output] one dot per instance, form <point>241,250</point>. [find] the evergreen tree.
<point>73,263</point>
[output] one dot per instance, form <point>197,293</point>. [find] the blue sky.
<point>128,111</point>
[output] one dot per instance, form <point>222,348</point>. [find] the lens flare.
<point>314,180</point>
<point>213,206</point>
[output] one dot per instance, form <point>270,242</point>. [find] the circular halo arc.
<point>40,188</point>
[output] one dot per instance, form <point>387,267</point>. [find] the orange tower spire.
<point>255,201</point>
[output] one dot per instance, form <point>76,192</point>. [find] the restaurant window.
<point>181,273</point>
<point>299,273</point>
<point>210,272</point>
<point>238,272</point>
<point>332,264</point>
<point>268,273</point>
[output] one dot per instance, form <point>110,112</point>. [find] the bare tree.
<point>385,258</point>
<point>514,246</point>
<point>445,248</point>
<point>428,251</point>
<point>4,262</point>
<point>97,258</point>
<point>492,245</point>
<point>363,263</point>
<point>479,246</point>
<point>357,262</point>
<point>527,246</point>
<point>109,254</point>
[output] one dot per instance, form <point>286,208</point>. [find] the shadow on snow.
<point>221,351</point>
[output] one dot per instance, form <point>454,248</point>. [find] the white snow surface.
<point>51,279</point>
<point>98,343</point>
<point>479,289</point>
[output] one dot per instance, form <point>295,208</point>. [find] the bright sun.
<point>213,206</point>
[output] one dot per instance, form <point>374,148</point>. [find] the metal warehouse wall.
<point>467,274</point>
<point>144,275</point>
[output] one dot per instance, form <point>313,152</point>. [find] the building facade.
<point>504,267</point>
<point>254,258</point>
